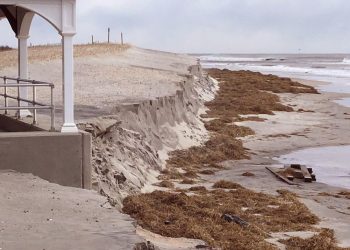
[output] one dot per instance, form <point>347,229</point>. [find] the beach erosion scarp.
<point>138,104</point>
<point>130,146</point>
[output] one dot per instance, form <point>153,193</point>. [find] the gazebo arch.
<point>61,14</point>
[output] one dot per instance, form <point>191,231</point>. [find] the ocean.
<point>330,163</point>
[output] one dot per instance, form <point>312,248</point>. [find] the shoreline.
<point>262,180</point>
<point>326,102</point>
<point>327,126</point>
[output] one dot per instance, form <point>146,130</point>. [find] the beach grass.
<point>5,48</point>
<point>43,53</point>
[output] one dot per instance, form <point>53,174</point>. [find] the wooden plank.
<point>295,166</point>
<point>274,171</point>
<point>298,174</point>
<point>306,173</point>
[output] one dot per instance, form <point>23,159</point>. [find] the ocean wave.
<point>289,69</point>
<point>232,59</point>
<point>346,61</point>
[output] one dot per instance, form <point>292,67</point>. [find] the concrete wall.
<point>64,159</point>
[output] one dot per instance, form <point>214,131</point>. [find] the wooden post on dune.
<point>121,38</point>
<point>109,32</point>
<point>92,39</point>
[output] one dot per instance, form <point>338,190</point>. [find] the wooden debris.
<point>235,219</point>
<point>285,179</point>
<point>291,172</point>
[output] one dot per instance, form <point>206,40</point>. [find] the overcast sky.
<point>221,26</point>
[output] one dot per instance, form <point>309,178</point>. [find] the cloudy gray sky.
<point>221,26</point>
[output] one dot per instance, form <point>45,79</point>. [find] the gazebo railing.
<point>18,83</point>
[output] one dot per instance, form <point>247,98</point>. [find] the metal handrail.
<point>35,105</point>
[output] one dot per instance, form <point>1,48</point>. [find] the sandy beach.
<point>140,105</point>
<point>283,133</point>
<point>36,214</point>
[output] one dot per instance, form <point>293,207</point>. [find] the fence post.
<point>18,100</point>
<point>5,94</point>
<point>52,110</point>
<point>34,104</point>
<point>121,38</point>
<point>109,31</point>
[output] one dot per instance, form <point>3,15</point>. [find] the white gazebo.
<point>61,14</point>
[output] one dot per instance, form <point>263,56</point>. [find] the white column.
<point>23,72</point>
<point>68,85</point>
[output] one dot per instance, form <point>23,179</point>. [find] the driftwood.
<point>235,219</point>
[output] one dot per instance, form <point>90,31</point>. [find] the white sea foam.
<point>289,69</point>
<point>346,61</point>
<point>231,59</point>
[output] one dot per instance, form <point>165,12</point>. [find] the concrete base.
<point>64,159</point>
<point>69,128</point>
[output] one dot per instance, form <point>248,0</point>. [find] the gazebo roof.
<point>60,13</point>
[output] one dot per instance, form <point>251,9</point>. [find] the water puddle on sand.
<point>331,164</point>
<point>344,102</point>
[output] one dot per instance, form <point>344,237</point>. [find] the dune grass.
<point>43,53</point>
<point>5,48</point>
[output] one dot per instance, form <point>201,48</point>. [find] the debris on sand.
<point>342,194</point>
<point>248,174</point>
<point>324,240</point>
<point>197,188</point>
<point>145,246</point>
<point>187,181</point>
<point>199,216</point>
<point>294,171</point>
<point>235,219</point>
<point>165,184</point>
<point>226,185</point>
